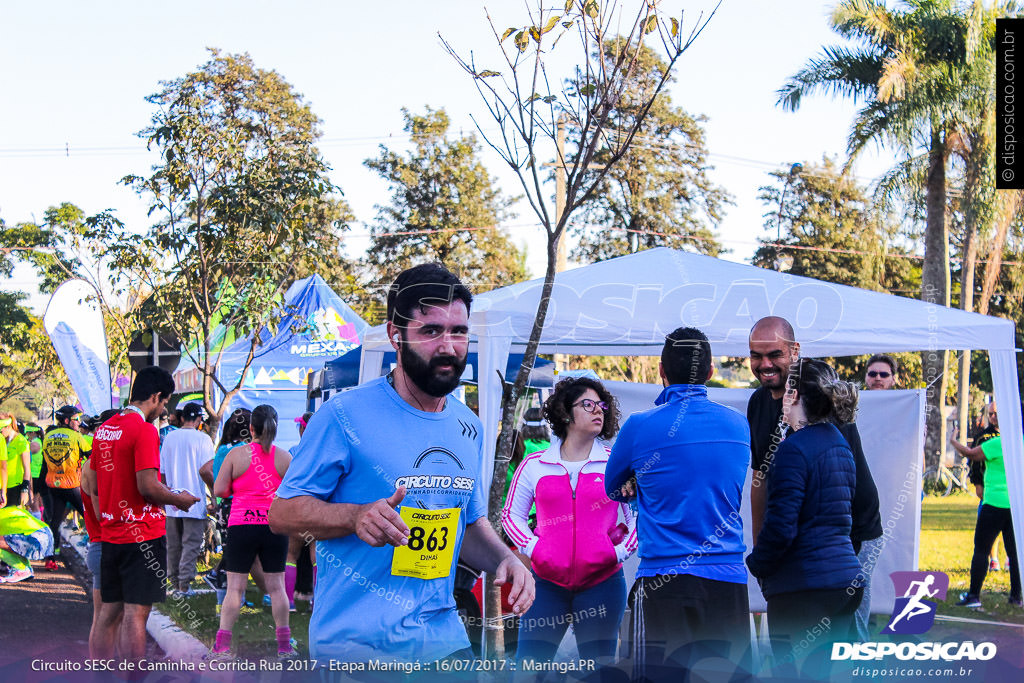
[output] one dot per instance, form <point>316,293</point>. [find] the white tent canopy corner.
<point>625,306</point>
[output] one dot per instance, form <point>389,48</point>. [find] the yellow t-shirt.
<point>15,467</point>
<point>63,450</point>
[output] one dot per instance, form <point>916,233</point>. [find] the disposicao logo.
<point>914,613</point>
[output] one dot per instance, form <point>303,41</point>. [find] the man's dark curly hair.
<point>558,407</point>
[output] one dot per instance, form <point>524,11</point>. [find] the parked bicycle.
<point>941,480</point>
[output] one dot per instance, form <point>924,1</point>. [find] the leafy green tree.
<point>659,194</point>
<point>912,68</point>
<point>26,355</point>
<point>444,207</point>
<point>240,197</point>
<point>822,224</point>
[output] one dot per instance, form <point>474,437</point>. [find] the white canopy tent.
<point>625,306</point>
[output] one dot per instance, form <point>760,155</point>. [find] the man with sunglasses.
<point>881,372</point>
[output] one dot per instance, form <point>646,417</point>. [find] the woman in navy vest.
<point>803,556</point>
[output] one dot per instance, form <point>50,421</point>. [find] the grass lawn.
<point>947,544</point>
<point>253,635</point>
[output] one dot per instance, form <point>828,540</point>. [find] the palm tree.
<point>920,73</point>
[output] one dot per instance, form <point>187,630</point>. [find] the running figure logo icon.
<point>915,611</point>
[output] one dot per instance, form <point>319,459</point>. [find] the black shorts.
<point>14,494</point>
<point>134,572</point>
<point>247,541</point>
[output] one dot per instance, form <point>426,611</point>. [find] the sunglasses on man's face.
<point>591,406</point>
<point>876,373</point>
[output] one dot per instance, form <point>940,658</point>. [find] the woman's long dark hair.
<point>236,428</point>
<point>264,425</point>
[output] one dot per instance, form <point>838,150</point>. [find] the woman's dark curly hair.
<point>558,407</point>
<point>236,427</point>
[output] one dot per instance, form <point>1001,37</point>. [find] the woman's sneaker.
<point>224,656</point>
<point>969,601</point>
<point>17,575</point>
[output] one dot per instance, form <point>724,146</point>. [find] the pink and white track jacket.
<point>578,541</point>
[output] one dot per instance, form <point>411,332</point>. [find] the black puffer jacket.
<point>804,543</point>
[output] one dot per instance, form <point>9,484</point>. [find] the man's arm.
<point>972,453</point>
<point>206,474</point>
<point>156,493</point>
<point>619,470</point>
<point>26,468</point>
<point>89,487</point>
<point>758,483</point>
<point>482,549</point>
<point>375,523</point>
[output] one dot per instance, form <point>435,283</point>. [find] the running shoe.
<point>266,601</point>
<point>289,654</point>
<point>224,656</point>
<point>291,607</point>
<point>993,565</point>
<point>22,574</point>
<point>51,565</point>
<point>210,578</point>
<point>969,601</point>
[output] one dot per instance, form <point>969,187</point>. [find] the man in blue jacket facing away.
<point>688,457</point>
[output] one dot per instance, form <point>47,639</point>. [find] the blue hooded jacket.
<point>804,543</point>
<point>690,457</point>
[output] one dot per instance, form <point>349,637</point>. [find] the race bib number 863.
<point>431,548</point>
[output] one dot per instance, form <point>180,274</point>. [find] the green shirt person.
<point>19,462</point>
<point>993,519</point>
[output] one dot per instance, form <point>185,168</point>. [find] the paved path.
<point>46,617</point>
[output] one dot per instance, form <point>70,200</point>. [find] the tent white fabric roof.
<point>626,306</point>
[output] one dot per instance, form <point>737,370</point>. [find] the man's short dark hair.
<point>152,380</point>
<point>884,358</point>
<point>421,286</point>
<point>686,356</point>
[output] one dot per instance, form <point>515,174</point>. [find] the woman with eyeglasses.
<point>581,536</point>
<point>803,555</point>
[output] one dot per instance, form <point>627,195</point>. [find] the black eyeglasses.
<point>883,375</point>
<point>591,406</point>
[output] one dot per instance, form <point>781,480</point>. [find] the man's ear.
<point>711,373</point>
<point>394,335</point>
<point>661,372</point>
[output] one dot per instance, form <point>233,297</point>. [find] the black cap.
<point>191,411</point>
<point>67,412</point>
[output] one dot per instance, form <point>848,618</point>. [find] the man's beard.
<point>423,373</point>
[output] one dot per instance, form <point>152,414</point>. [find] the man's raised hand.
<point>378,524</point>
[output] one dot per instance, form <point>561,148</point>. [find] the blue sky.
<point>75,76</point>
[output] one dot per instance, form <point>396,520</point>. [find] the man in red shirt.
<point>126,459</point>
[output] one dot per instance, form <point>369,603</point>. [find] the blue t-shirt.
<point>690,457</point>
<point>354,450</point>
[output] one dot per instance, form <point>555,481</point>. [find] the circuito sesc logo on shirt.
<point>437,480</point>
<point>916,597</point>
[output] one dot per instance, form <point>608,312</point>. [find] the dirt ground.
<point>46,617</point>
